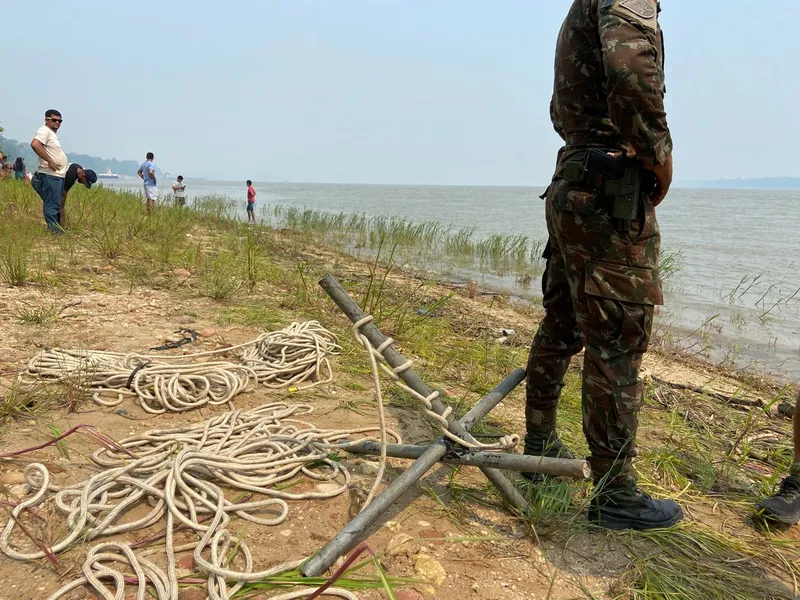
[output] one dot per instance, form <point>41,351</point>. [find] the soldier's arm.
<point>554,121</point>
<point>635,80</point>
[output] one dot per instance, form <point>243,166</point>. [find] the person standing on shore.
<point>601,280</point>
<point>784,506</point>
<point>148,174</point>
<point>75,172</point>
<point>19,168</point>
<point>251,202</point>
<point>48,181</point>
<point>179,191</point>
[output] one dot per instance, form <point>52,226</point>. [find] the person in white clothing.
<point>48,181</point>
<point>179,191</point>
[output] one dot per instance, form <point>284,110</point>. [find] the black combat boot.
<point>541,438</point>
<point>544,444</point>
<point>627,507</point>
<point>784,506</point>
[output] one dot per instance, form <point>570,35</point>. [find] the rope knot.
<point>377,361</point>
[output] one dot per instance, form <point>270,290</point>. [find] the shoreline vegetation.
<point>427,243</point>
<point>737,336</point>
<point>714,440</point>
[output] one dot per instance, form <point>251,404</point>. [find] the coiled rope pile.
<point>183,475</point>
<point>296,354</point>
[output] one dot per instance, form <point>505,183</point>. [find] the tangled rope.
<point>182,474</point>
<point>378,361</point>
<point>292,355</point>
<point>279,359</point>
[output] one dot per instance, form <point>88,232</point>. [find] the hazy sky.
<point>401,91</point>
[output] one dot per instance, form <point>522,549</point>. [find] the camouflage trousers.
<point>600,287</point>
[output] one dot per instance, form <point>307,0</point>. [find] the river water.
<point>736,296</point>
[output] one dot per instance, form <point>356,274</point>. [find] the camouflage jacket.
<point>609,79</point>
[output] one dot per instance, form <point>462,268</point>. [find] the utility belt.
<point>621,180</point>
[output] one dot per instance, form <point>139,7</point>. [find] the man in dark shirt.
<point>75,172</point>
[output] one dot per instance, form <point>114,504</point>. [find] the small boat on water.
<point>108,175</point>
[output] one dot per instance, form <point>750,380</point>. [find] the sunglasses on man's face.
<point>55,120</point>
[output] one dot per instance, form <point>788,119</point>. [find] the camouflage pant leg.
<point>612,392</point>
<point>615,285</point>
<point>556,341</point>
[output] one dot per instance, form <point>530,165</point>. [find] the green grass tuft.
<point>693,562</point>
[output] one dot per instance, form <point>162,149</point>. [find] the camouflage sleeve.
<point>630,43</point>
<point>554,120</point>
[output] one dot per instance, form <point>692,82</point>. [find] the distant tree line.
<point>13,149</point>
<point>756,183</point>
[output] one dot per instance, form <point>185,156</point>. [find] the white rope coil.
<point>377,360</point>
<point>182,474</point>
<point>292,355</point>
<point>296,354</point>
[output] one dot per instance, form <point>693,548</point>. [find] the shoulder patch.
<point>641,8</point>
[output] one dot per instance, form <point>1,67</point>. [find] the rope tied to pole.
<point>378,361</point>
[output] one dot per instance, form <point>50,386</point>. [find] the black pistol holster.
<point>619,178</point>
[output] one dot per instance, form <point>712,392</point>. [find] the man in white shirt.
<point>179,191</point>
<point>48,181</point>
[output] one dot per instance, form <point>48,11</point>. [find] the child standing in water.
<point>251,202</point>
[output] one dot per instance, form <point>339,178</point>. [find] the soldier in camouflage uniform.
<point>601,282</point>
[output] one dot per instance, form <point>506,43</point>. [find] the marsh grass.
<point>108,225</point>
<point>164,236</point>
<point>18,401</point>
<point>20,235</point>
<point>669,265</point>
<point>430,242</point>
<point>255,314</point>
<point>42,312</point>
<point>218,210</point>
<point>359,406</point>
<point>693,562</point>
<point>554,504</point>
<point>74,387</point>
<point>221,279</point>
<point>455,501</point>
<point>353,579</point>
<point>14,266</point>
<point>252,262</point>
<point>14,402</point>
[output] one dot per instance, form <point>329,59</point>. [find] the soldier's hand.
<point>663,175</point>
<point>629,153</point>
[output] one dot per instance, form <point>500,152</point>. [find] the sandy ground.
<point>514,564</point>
